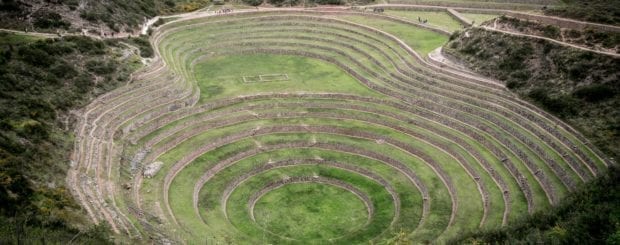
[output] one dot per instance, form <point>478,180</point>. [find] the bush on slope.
<point>601,11</point>
<point>578,86</point>
<point>41,82</point>
<point>588,216</point>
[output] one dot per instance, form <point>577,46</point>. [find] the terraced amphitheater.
<point>297,126</point>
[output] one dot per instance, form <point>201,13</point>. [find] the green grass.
<point>347,232</point>
<point>307,217</point>
<point>221,77</point>
<point>310,211</point>
<point>560,187</point>
<point>421,40</point>
<point>9,38</point>
<point>469,204</point>
<point>497,202</point>
<point>435,18</point>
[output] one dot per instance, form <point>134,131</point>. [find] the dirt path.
<point>550,40</point>
<point>36,34</point>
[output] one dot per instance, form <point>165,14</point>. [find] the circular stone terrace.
<point>294,126</point>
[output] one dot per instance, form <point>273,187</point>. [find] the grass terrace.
<point>439,19</point>
<point>298,127</point>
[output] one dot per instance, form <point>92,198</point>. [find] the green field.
<point>302,128</point>
<point>222,77</point>
<point>421,40</point>
<point>436,19</point>
<point>310,212</point>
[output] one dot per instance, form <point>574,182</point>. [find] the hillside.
<point>43,81</point>
<point>107,16</point>
<point>600,11</point>
<point>110,17</point>
<point>588,216</point>
<point>581,87</point>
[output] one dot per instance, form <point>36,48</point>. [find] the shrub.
<point>277,2</point>
<point>170,3</point>
<point>87,45</point>
<point>35,56</point>
<point>54,46</point>
<point>454,35</point>
<point>470,48</point>
<point>330,2</point>
<point>551,31</point>
<point>512,84</point>
<point>521,75</point>
<point>146,50</point>
<point>34,130</point>
<point>594,93</point>
<point>10,6</point>
<point>159,22</point>
<point>515,58</point>
<point>49,20</point>
<point>101,67</point>
<point>562,105</point>
<point>253,2</point>
<point>579,70</point>
<point>90,16</point>
<point>63,70</point>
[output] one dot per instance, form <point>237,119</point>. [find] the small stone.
<point>152,169</point>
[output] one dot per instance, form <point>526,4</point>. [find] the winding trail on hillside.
<point>559,42</point>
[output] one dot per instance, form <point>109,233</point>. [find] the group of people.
<point>223,11</point>
<point>422,21</point>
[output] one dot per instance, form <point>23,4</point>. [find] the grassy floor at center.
<point>222,77</point>
<point>310,211</point>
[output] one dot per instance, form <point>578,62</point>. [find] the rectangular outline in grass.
<point>266,78</point>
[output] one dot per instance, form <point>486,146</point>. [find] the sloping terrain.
<point>577,85</point>
<point>240,111</point>
<point>590,215</point>
<point>107,16</point>
<point>601,11</point>
<point>291,125</point>
<point>42,80</point>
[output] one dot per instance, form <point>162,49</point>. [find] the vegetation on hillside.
<point>602,11</point>
<point>113,15</point>
<point>578,86</point>
<point>42,81</point>
<point>582,88</point>
<point>588,216</point>
<point>593,39</point>
<point>117,15</point>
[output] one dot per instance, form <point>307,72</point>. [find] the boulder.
<point>152,169</point>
